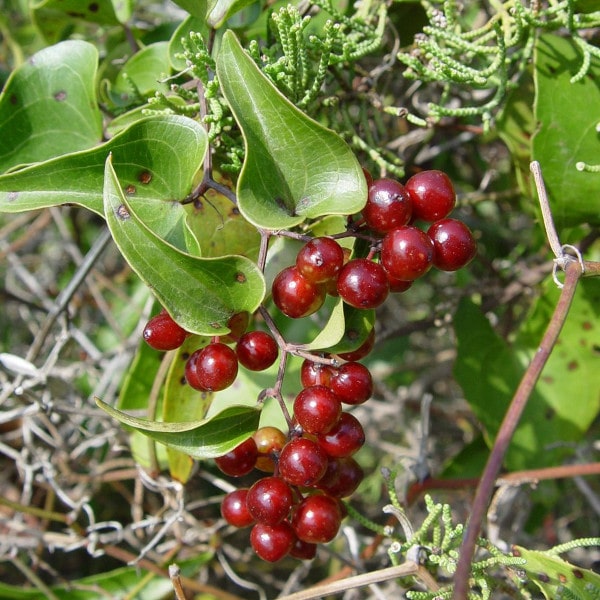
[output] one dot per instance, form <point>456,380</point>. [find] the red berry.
<point>314,373</point>
<point>212,368</point>
<point>272,542</point>
<point>388,206</point>
<point>257,350</point>
<point>303,550</point>
<point>407,253</point>
<point>345,438</point>
<point>239,461</point>
<point>317,409</point>
<point>432,195</point>
<point>234,509</point>
<point>269,442</point>
<point>320,259</point>
<point>238,323</point>
<point>363,350</point>
<point>302,462</point>
<point>162,333</point>
<point>352,383</point>
<point>454,244</point>
<point>363,283</point>
<point>269,500</point>
<point>397,286</point>
<point>342,477</point>
<point>317,519</point>
<point>294,295</point>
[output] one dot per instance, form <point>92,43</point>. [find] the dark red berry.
<point>432,195</point>
<point>238,323</point>
<point>317,519</point>
<point>269,442</point>
<point>272,542</point>
<point>257,350</point>
<point>303,550</point>
<point>269,500</point>
<point>454,244</point>
<point>162,333</point>
<point>212,368</point>
<point>239,461</point>
<point>363,350</point>
<point>317,409</point>
<point>234,509</point>
<point>345,438</point>
<point>407,253</point>
<point>363,283</point>
<point>397,286</point>
<point>352,383</point>
<point>320,259</point>
<point>302,462</point>
<point>388,206</point>
<point>315,373</point>
<point>294,295</point>
<point>342,478</point>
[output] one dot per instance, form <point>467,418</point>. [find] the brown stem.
<point>511,419</point>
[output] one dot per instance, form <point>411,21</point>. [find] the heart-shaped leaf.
<point>294,168</point>
<point>207,438</point>
<point>157,160</point>
<point>201,294</point>
<point>48,106</point>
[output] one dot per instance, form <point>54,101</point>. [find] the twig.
<point>175,575</point>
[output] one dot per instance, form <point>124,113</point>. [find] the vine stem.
<point>484,490</point>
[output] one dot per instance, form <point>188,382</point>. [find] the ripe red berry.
<point>162,333</point>
<point>454,244</point>
<point>432,195</point>
<point>269,500</point>
<point>352,383</point>
<point>317,409</point>
<point>363,350</point>
<point>212,368</point>
<point>314,373</point>
<point>234,509</point>
<point>388,206</point>
<point>239,461</point>
<point>238,323</point>
<point>303,550</point>
<point>302,462</point>
<point>272,542</point>
<point>257,350</point>
<point>407,253</point>
<point>342,478</point>
<point>294,295</point>
<point>269,442</point>
<point>345,438</point>
<point>320,259</point>
<point>317,519</point>
<point>363,283</point>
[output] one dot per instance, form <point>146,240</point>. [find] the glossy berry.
<point>162,333</point>
<point>294,295</point>
<point>239,461</point>
<point>352,383</point>
<point>269,442</point>
<point>320,259</point>
<point>432,195</point>
<point>397,286</point>
<point>388,206</point>
<point>407,253</point>
<point>302,462</point>
<point>212,368</point>
<point>269,500</point>
<point>345,438</point>
<point>363,350</point>
<point>257,350</point>
<point>303,550</point>
<point>238,323</point>
<point>272,542</point>
<point>234,509</point>
<point>342,478</point>
<point>454,244</point>
<point>363,283</point>
<point>317,519</point>
<point>317,409</point>
<point>314,373</point>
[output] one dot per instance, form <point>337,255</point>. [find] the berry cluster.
<point>401,250</point>
<point>296,503</point>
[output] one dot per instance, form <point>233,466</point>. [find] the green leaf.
<point>558,578</point>
<point>566,132</point>
<point>214,12</point>
<point>105,12</point>
<point>489,371</point>
<point>200,294</point>
<point>358,324</point>
<point>207,438</point>
<point>294,168</point>
<point>48,106</point>
<point>157,160</point>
